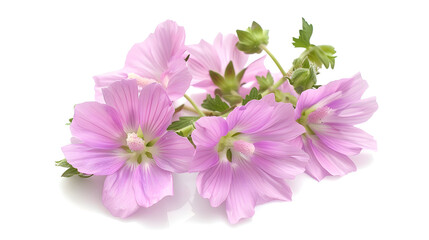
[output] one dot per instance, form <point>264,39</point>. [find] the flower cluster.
<point>250,132</point>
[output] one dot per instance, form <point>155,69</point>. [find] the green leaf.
<point>251,96</point>
<point>71,171</point>
<point>249,41</point>
<point>184,126</point>
<point>214,104</point>
<point>265,82</point>
<point>305,33</point>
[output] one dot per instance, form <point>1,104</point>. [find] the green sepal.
<point>229,155</point>
<point>70,121</point>
<point>71,171</point>
<point>254,94</point>
<point>214,104</point>
<point>217,79</point>
<point>265,82</point>
<point>249,41</point>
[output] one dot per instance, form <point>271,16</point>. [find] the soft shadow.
<point>87,194</point>
<point>362,160</point>
<point>204,212</point>
<point>297,183</point>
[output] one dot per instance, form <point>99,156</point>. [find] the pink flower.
<point>126,140</point>
<point>160,58</point>
<point>243,160</point>
<point>205,57</point>
<point>328,114</point>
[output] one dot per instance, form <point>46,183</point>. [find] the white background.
<point>50,50</point>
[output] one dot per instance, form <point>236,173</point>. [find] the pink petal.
<point>93,160</point>
<point>156,111</point>
<point>98,126</point>
<point>313,167</point>
<point>203,58</point>
<point>179,79</point>
<point>281,125</point>
<point>205,158</point>
<point>209,130</point>
<point>123,96</point>
<point>345,139</point>
<point>215,182</point>
<point>118,192</point>
<point>256,68</point>
<point>355,113</point>
<point>151,184</point>
<point>173,153</point>
<point>280,159</point>
<point>227,51</point>
<point>104,80</point>
<point>333,162</point>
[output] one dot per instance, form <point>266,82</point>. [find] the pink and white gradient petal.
<point>97,125</point>
<point>156,111</point>
<point>93,160</point>
<point>215,182</point>
<point>123,96</point>
<point>173,153</point>
<point>209,130</point>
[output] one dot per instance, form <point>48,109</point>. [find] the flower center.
<point>244,147</point>
<point>135,143</point>
<point>318,115</point>
<point>141,81</point>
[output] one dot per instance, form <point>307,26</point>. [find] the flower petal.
<point>355,113</point>
<point>215,182</point>
<point>256,68</point>
<point>280,159</point>
<point>209,130</point>
<point>97,125</point>
<point>123,96</point>
<point>151,184</point>
<point>104,80</point>
<point>333,162</point>
<point>173,153</point>
<point>313,167</point>
<point>203,58</point>
<point>156,111</point>
<point>179,79</point>
<point>205,158</point>
<point>93,160</point>
<point>118,192</point>
<point>345,139</point>
<point>227,51</point>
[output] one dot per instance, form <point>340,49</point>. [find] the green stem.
<point>194,105</point>
<point>263,47</point>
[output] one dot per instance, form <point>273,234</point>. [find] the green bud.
<point>303,79</point>
<point>251,39</point>
<point>228,84</point>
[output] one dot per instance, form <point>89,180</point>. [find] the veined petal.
<point>333,162</point>
<point>209,130</point>
<point>177,79</point>
<point>203,58</point>
<point>345,139</point>
<point>215,182</point>
<point>173,153</point>
<point>280,159</point>
<point>105,80</point>
<point>118,192</point>
<point>93,160</point>
<point>256,68</point>
<point>156,111</point>
<point>204,158</point>
<point>151,184</point>
<point>313,167</point>
<point>227,51</point>
<point>97,125</point>
<point>123,97</point>
<point>355,113</point>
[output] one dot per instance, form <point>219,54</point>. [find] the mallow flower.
<point>243,160</point>
<point>205,57</point>
<point>126,140</point>
<point>160,58</point>
<point>329,114</point>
